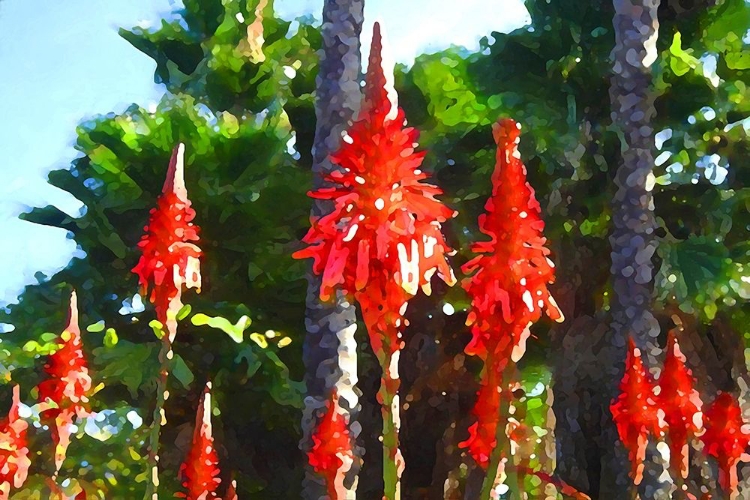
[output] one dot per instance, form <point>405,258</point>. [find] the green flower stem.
<point>159,417</point>
<point>496,473</point>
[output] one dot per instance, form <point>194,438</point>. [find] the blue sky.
<point>64,61</point>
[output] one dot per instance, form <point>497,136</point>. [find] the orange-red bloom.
<point>331,455</point>
<point>68,386</point>
<point>634,411</point>
<point>169,261</point>
<point>14,451</point>
<point>200,471</point>
<point>680,404</point>
<point>726,438</point>
<point>385,222</point>
<point>508,288</point>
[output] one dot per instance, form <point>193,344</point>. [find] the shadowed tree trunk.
<point>329,351</point>
<point>632,239</point>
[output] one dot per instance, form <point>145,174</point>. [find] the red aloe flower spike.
<point>381,242</point>
<point>511,272</point>
<point>482,434</point>
<point>169,261</point>
<point>726,439</point>
<point>331,455</point>
<point>200,471</point>
<point>680,404</point>
<point>634,410</point>
<point>14,451</point>
<point>68,386</point>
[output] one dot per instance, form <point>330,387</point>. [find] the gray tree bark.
<point>330,349</point>
<point>633,244</point>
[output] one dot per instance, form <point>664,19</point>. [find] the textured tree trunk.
<point>330,353</point>
<point>633,243</point>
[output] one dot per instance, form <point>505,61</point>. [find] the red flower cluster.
<point>14,452</point>
<point>508,288</point>
<point>726,438</point>
<point>385,224</point>
<point>331,454</point>
<point>68,385</point>
<point>169,261</point>
<point>200,471</point>
<point>680,404</point>
<point>634,411</point>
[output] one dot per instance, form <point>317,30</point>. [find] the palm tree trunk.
<point>636,29</point>
<point>330,349</point>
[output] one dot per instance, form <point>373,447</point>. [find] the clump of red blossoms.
<point>68,386</point>
<point>680,405</point>
<point>200,471</point>
<point>381,242</point>
<point>14,451</point>
<point>331,454</point>
<point>508,283</point>
<point>634,411</point>
<point>726,438</point>
<point>169,261</point>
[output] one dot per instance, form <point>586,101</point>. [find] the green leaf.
<point>96,327</point>
<point>181,371</point>
<point>157,327</point>
<point>235,331</point>
<point>184,312</point>
<point>110,337</point>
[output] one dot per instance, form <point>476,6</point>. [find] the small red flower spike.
<point>681,405</point>
<point>231,493</point>
<point>14,451</point>
<point>200,471</point>
<point>634,410</point>
<point>68,385</point>
<point>331,455</point>
<point>482,434</point>
<point>726,438</point>
<point>169,260</point>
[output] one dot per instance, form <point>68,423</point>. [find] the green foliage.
<point>248,126</point>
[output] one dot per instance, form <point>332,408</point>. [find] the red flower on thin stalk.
<point>634,411</point>
<point>331,455</point>
<point>200,471</point>
<point>679,404</point>
<point>14,451</point>
<point>68,385</point>
<point>508,283</point>
<point>169,260</point>
<point>726,438</point>
<point>382,241</point>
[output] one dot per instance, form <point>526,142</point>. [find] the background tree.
<point>330,348</point>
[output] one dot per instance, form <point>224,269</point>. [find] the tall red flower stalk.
<point>508,291</point>
<point>726,438</point>
<point>680,406</point>
<point>65,393</point>
<point>634,411</point>
<point>200,471</point>
<point>14,451</point>
<point>169,262</point>
<point>331,454</point>
<point>382,241</point>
